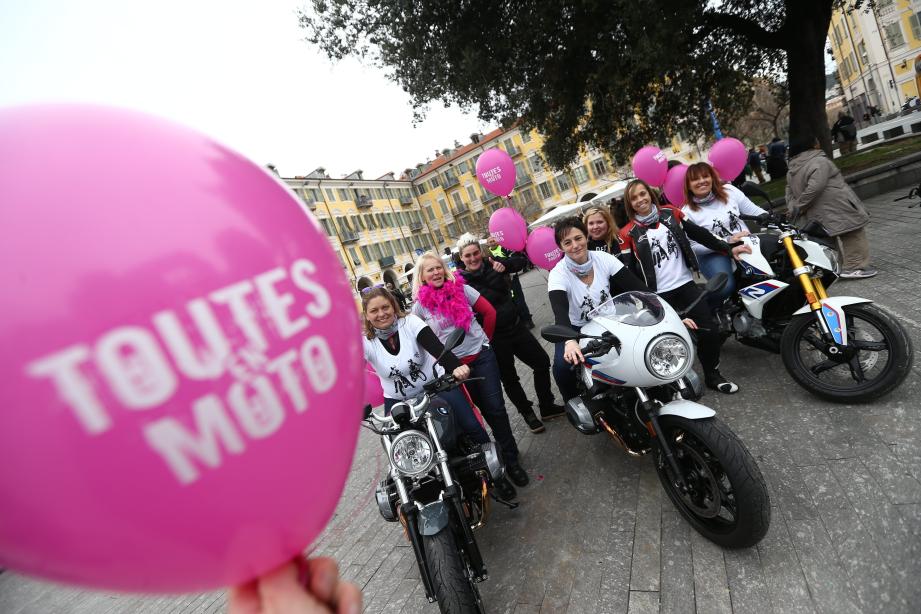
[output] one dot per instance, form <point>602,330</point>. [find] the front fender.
<point>433,518</point>
<point>686,409</point>
<point>833,314</point>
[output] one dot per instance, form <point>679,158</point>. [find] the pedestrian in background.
<point>511,339</point>
<point>844,131</point>
<point>754,163</point>
<point>777,159</point>
<point>602,230</point>
<point>817,192</point>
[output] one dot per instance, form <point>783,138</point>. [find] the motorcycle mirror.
<point>367,412</point>
<point>556,333</point>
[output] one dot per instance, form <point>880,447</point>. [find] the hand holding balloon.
<point>301,586</point>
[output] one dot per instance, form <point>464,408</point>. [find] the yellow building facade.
<point>878,54</point>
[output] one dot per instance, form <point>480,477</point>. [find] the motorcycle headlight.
<point>668,357</point>
<point>412,453</point>
<point>832,256</point>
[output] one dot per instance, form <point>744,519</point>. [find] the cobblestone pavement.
<point>595,532</point>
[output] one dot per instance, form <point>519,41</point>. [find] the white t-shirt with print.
<point>671,270</point>
<point>474,339</point>
<point>722,219</point>
<point>584,298</point>
<point>402,376</point>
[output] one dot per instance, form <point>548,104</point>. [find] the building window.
<point>915,21</point>
<point>580,173</point>
<point>894,34</point>
<point>354,254</point>
<point>442,206</point>
<point>536,164</point>
<point>428,211</point>
<point>326,228</point>
<point>521,174</point>
<point>366,253</point>
<point>545,191</point>
<point>525,136</point>
<point>599,167</point>
<point>862,49</point>
<point>471,193</point>
<point>343,195</point>
<point>509,146</point>
<point>458,203</point>
<point>562,183</point>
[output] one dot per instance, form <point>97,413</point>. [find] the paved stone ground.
<point>595,532</point>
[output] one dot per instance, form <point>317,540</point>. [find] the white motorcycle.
<point>841,348</point>
<point>637,386</point>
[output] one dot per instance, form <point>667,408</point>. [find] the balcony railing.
<point>414,226</point>
<point>363,202</point>
<point>386,261</point>
<point>406,200</point>
<point>348,237</point>
<point>449,181</point>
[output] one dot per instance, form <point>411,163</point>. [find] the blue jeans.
<point>463,414</point>
<point>487,394</point>
<point>710,265</point>
<point>563,373</point>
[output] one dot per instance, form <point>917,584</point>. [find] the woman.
<point>578,283</point>
<point>602,231</point>
<point>490,277</point>
<point>402,350</point>
<point>716,207</point>
<point>447,303</point>
<point>817,191</point>
<point>658,247</point>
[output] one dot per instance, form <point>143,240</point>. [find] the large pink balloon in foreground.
<point>542,249</point>
<point>509,228</point>
<point>180,351</point>
<point>674,184</point>
<point>650,165</point>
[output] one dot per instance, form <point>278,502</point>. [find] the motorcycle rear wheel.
<point>728,501</point>
<point>455,588</point>
<point>801,349</point>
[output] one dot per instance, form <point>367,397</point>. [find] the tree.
<point>768,115</point>
<point>612,74</point>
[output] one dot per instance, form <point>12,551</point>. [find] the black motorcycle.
<point>439,488</point>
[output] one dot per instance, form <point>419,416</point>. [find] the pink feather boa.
<point>448,301</point>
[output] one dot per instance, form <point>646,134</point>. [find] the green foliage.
<point>612,74</point>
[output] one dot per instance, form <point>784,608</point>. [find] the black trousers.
<point>708,341</point>
<point>518,296</point>
<point>521,343</point>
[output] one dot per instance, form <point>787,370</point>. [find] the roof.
<point>457,153</point>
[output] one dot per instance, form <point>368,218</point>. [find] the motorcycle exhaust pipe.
<point>620,440</point>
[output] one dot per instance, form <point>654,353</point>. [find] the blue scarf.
<point>579,270</point>
<point>386,333</point>
<point>704,200</point>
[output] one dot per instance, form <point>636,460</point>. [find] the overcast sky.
<point>237,70</point>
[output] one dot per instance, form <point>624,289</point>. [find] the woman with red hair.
<point>716,207</point>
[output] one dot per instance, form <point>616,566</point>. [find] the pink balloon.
<point>674,184</point>
<point>542,249</point>
<point>728,157</point>
<point>650,165</point>
<point>178,409</point>
<point>374,392</point>
<point>509,228</point>
<point>496,171</point>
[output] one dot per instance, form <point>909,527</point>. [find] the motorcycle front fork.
<point>813,287</point>
<point>648,415</point>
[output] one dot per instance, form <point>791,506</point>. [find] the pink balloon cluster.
<point>727,156</point>
<point>510,230</point>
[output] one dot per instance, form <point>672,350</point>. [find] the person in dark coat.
<point>844,131</point>
<point>754,163</point>
<point>499,253</point>
<point>488,275</point>
<point>777,159</point>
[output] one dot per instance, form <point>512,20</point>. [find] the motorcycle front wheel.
<point>455,588</point>
<point>727,499</point>
<point>878,355</point>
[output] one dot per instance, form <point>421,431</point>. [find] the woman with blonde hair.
<point>602,230</point>
<point>445,302</point>
<point>716,207</point>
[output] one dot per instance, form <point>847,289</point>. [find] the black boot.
<point>715,380</point>
<point>505,490</point>
<point>517,474</point>
<point>531,420</point>
<point>552,411</point>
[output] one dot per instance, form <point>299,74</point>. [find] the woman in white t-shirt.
<point>657,245</point>
<point>446,303</point>
<point>716,207</point>
<point>578,283</point>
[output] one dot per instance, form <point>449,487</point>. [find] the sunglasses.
<point>369,288</point>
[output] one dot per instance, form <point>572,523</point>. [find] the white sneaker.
<point>858,274</point>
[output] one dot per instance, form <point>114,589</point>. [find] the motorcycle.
<point>636,385</point>
<point>843,348</point>
<point>438,487</point>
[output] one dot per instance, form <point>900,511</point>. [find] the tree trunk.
<point>807,28</point>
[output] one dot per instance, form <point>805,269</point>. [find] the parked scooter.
<point>842,348</point>
<point>438,488</point>
<point>637,386</point>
